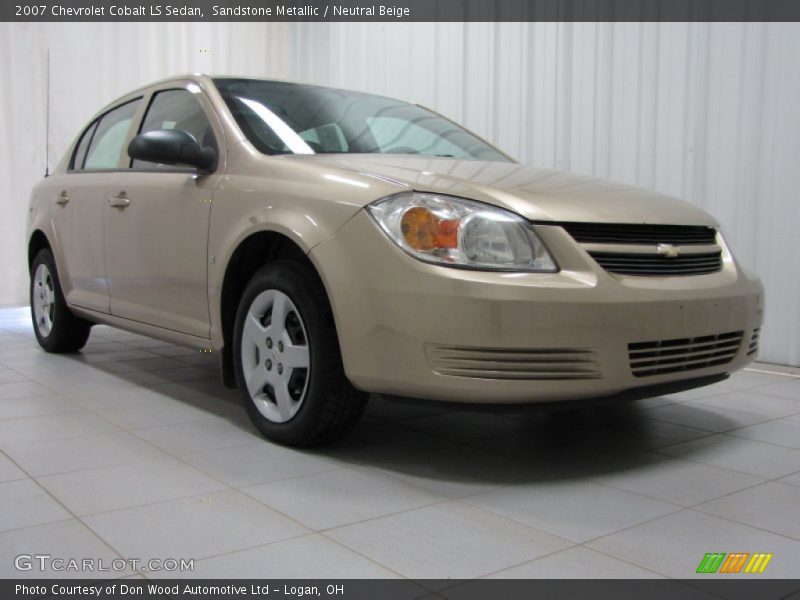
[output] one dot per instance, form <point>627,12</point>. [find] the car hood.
<point>536,194</point>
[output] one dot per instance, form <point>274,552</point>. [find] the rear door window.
<point>79,158</point>
<point>112,129</point>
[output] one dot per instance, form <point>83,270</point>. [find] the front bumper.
<point>408,328</point>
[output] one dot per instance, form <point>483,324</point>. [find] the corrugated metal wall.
<point>90,65</point>
<point>706,111</point>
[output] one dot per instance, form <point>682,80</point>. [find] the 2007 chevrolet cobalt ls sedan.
<point>330,243</point>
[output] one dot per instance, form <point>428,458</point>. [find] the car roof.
<point>207,80</point>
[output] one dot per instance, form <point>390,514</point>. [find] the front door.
<point>157,222</point>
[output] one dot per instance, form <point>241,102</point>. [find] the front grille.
<point>513,363</point>
<point>671,252</point>
<point>752,348</point>
<point>683,354</point>
<point>610,233</point>
<point>657,264</point>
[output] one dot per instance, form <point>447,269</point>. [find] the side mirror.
<point>172,147</point>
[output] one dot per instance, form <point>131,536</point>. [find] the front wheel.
<point>57,329</point>
<point>287,359</point>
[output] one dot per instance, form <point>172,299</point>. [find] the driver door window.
<point>176,109</point>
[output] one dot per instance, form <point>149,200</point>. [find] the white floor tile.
<point>157,413</point>
<point>772,506</point>
<point>675,480</point>
<point>52,427</point>
<point>114,395</point>
<point>23,503</point>
<point>575,563</point>
<point>448,540</point>
<point>258,462</point>
<point>65,539</point>
<point>307,557</point>
<point>747,379</point>
<point>793,479</point>
<point>753,401</point>
<point>124,486</point>
<point>466,427</point>
<point>207,434</point>
<point>787,388</point>
<point>21,389</point>
<point>341,497</point>
<point>783,433</point>
<point>738,454</point>
<point>381,443</point>
<point>674,545</point>
<point>75,454</point>
<point>8,470</point>
<point>195,527</point>
<point>9,376</point>
<point>36,406</point>
<point>463,471</point>
<point>705,416</point>
<point>575,510</point>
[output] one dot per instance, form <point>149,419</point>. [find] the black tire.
<point>330,406</point>
<point>68,332</point>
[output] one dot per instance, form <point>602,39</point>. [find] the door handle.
<point>120,201</point>
<point>62,198</point>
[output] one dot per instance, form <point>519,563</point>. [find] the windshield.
<point>291,118</point>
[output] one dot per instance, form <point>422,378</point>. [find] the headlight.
<point>461,233</point>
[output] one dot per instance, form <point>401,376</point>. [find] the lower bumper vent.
<point>683,354</point>
<point>513,363</point>
<point>753,347</point>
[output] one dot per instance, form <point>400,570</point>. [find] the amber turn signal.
<point>424,231</point>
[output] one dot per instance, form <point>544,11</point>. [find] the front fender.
<point>303,201</point>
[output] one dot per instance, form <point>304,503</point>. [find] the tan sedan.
<point>330,243</point>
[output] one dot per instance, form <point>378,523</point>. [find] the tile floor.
<point>134,449</point>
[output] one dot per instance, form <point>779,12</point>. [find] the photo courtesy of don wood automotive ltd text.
<point>461,299</point>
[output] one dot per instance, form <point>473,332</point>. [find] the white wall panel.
<point>705,111</point>
<point>90,65</point>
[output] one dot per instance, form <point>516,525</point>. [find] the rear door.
<point>157,224</point>
<point>80,194</point>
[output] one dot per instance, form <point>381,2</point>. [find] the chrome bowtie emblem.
<point>667,250</point>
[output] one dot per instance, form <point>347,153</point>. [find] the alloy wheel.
<point>44,297</point>
<point>276,362</point>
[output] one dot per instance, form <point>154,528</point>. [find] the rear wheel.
<point>57,329</point>
<point>287,359</point>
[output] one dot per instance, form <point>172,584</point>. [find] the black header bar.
<point>400,10</point>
